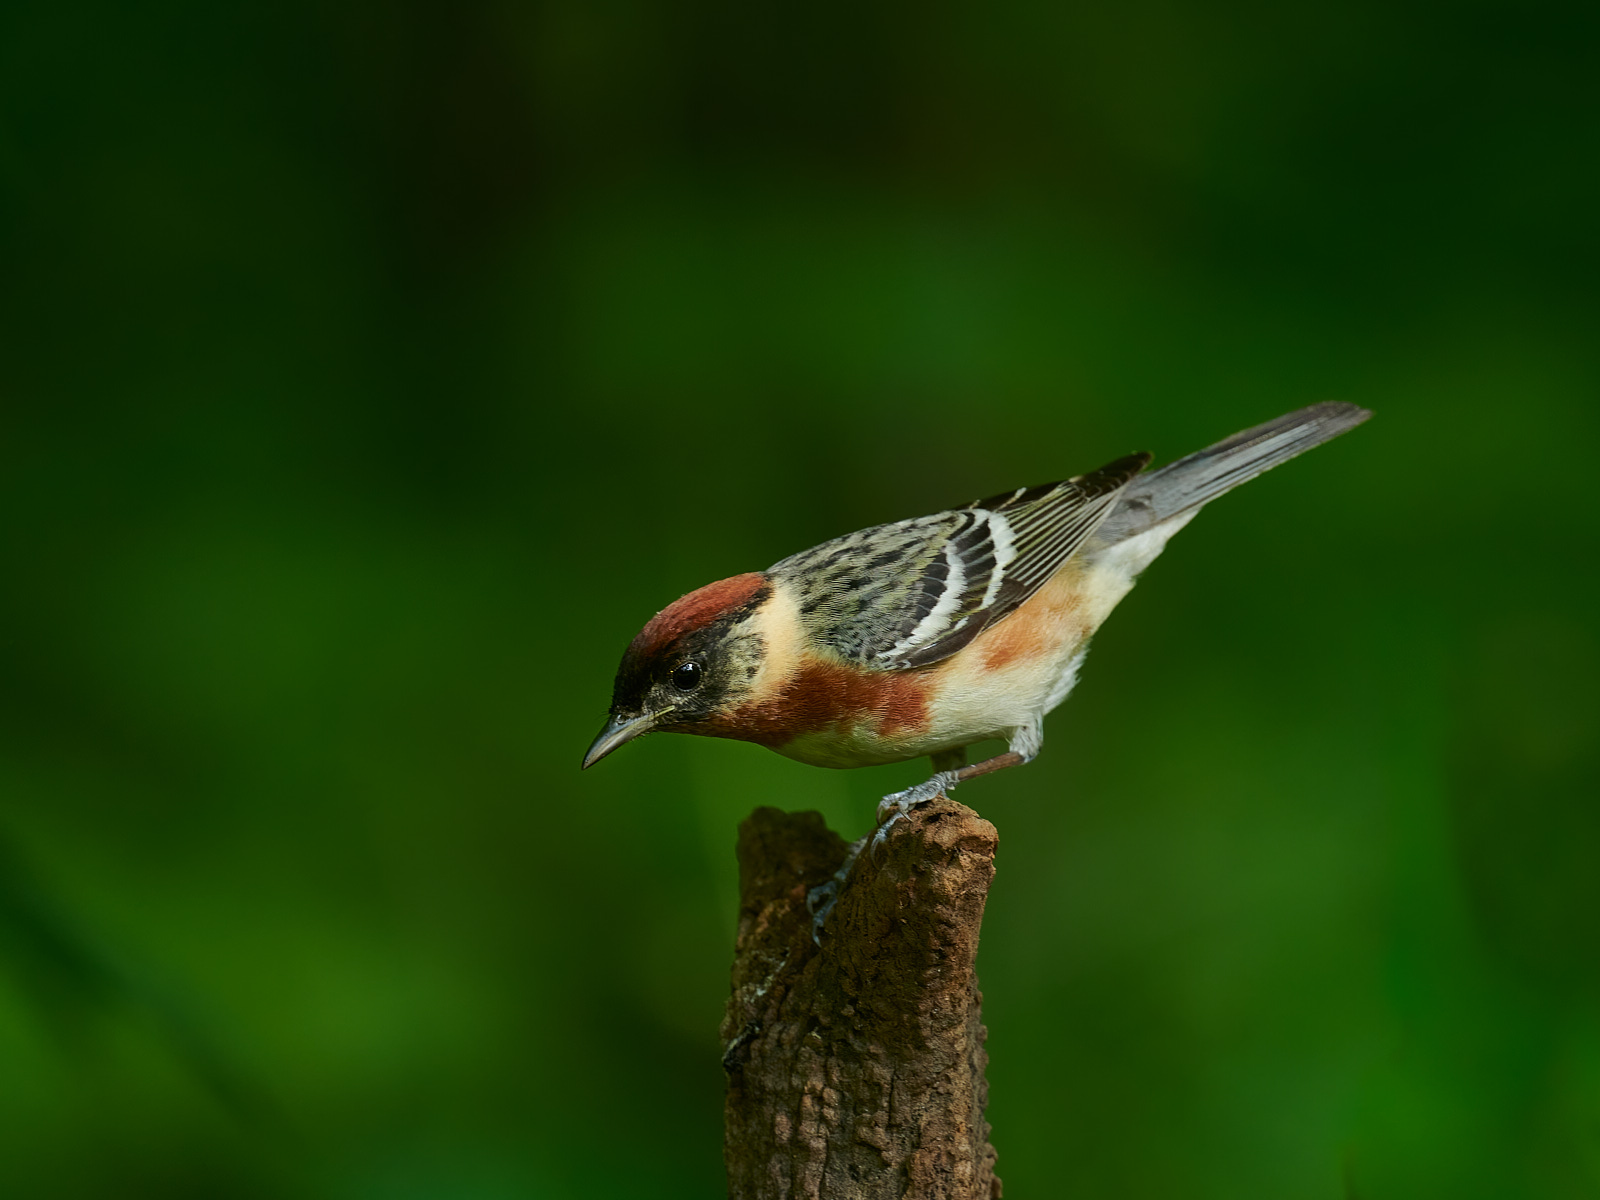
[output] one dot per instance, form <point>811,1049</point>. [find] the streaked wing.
<point>914,592</point>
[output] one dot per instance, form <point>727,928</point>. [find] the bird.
<point>926,636</point>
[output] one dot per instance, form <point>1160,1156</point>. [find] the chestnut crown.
<point>694,657</point>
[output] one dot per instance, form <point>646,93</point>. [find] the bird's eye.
<point>687,677</point>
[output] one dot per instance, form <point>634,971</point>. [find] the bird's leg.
<point>950,768</point>
<point>946,765</point>
<point>990,765</point>
<point>892,807</point>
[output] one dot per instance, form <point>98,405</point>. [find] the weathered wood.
<point>856,1071</point>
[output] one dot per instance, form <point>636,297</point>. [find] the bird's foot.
<point>821,899</point>
<point>896,805</point>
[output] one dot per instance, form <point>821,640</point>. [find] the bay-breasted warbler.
<point>925,636</point>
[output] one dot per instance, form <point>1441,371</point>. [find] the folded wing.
<point>914,592</point>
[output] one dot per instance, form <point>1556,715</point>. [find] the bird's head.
<point>692,663</point>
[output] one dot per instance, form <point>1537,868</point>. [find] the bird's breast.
<point>834,711</point>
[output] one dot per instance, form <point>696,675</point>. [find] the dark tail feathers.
<point>1188,483</point>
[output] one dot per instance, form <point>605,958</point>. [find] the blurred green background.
<point>371,372</point>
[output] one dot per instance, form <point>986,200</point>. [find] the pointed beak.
<point>618,730</point>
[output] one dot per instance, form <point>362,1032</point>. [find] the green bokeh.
<point>369,373</point>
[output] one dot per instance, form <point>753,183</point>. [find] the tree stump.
<point>856,1070</point>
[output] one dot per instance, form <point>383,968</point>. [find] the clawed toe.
<point>896,805</point>
<point>881,834</point>
<point>900,803</point>
<point>819,903</point>
<point>821,899</point>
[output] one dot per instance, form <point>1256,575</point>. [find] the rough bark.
<point>856,1071</point>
